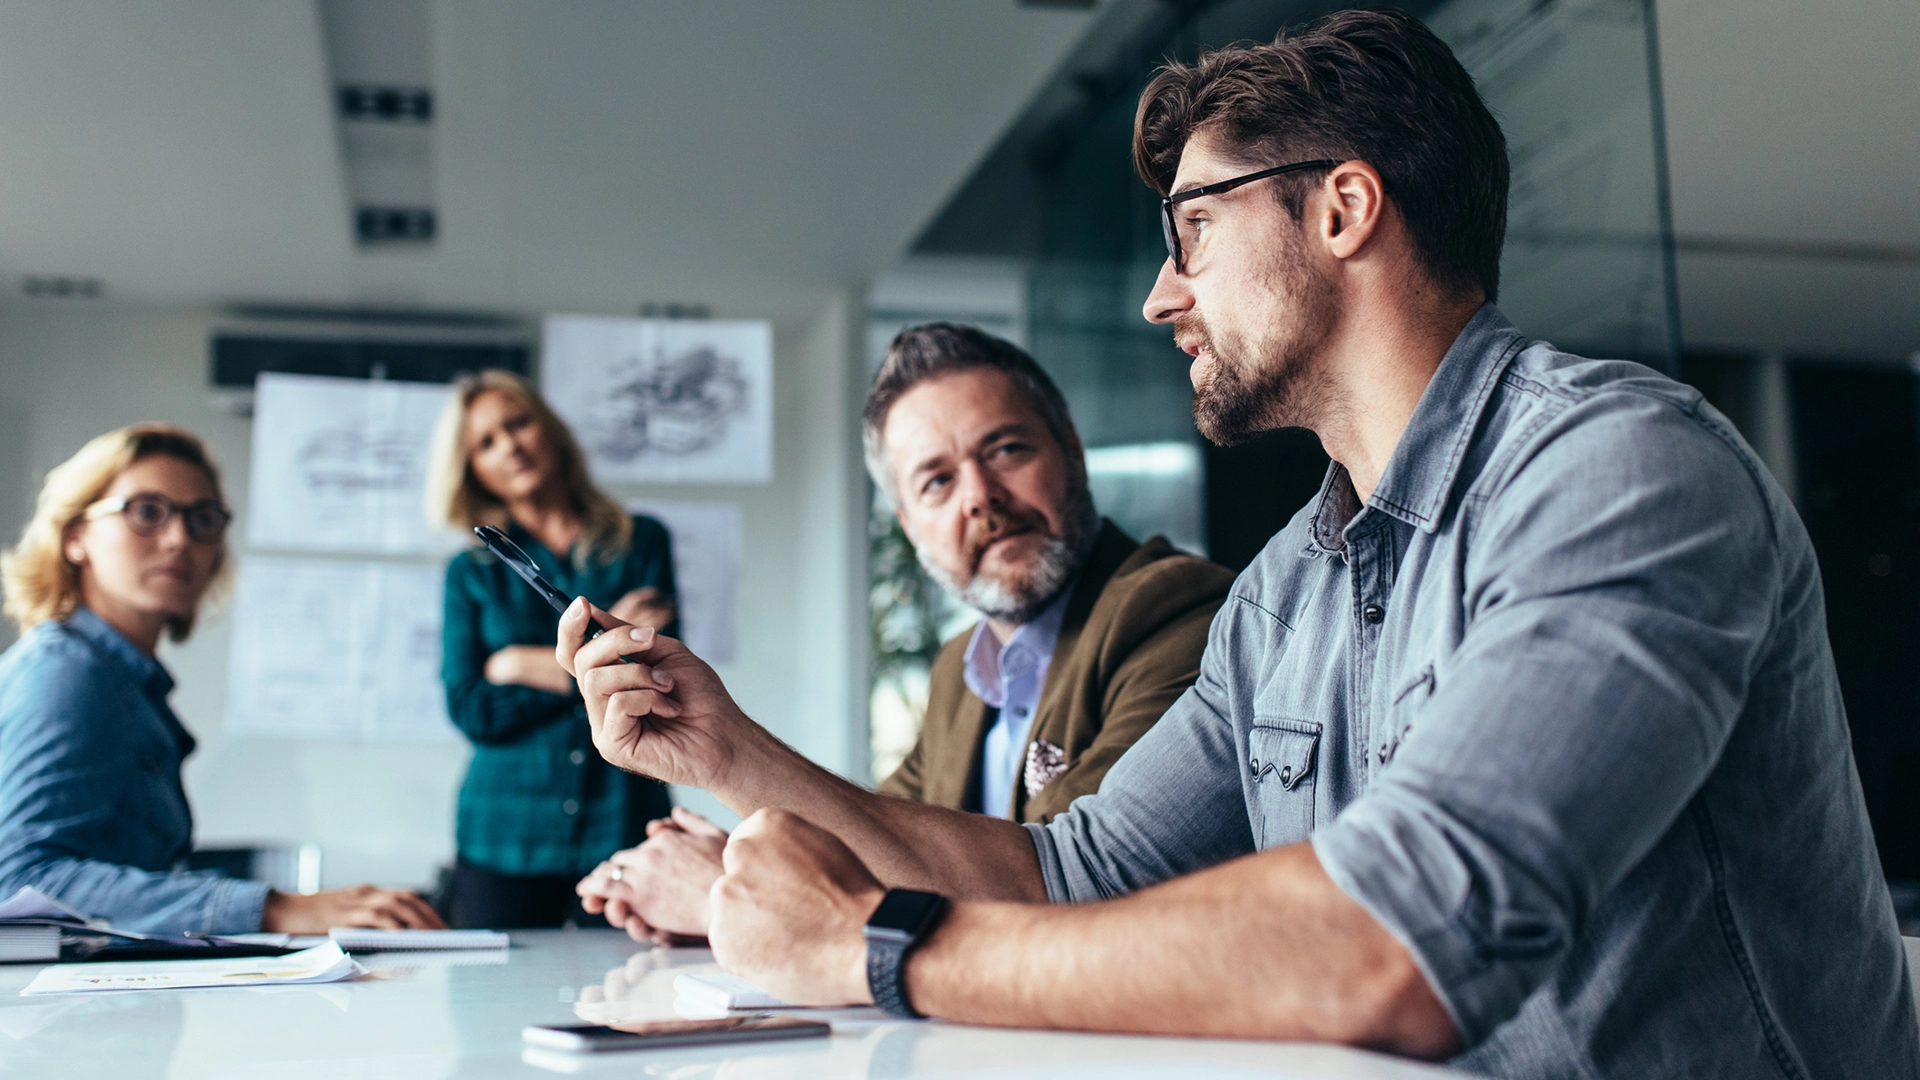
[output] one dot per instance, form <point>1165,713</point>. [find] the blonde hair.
<point>40,583</point>
<point>456,497</point>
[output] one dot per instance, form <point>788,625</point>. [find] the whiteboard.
<point>332,649</point>
<point>662,400</point>
<point>706,571</point>
<point>341,465</point>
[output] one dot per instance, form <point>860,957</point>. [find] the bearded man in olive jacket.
<point>1087,636</point>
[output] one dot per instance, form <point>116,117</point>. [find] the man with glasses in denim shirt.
<point>1520,745</point>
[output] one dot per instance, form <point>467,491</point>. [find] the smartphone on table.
<point>660,1034</point>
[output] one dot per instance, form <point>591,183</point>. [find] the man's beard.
<point>1053,566</point>
<point>1250,388</point>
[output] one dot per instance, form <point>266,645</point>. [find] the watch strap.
<point>886,976</point>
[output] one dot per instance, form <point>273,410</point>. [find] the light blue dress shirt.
<point>1009,679</point>
<point>92,811</point>
<point>1556,706</point>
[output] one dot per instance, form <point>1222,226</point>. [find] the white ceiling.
<point>752,155</point>
<point>1794,125</point>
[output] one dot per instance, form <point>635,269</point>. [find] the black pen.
<point>520,563</point>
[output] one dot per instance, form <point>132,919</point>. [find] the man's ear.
<point>1076,451</point>
<point>1355,202</point>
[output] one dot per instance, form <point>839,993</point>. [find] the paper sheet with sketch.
<point>706,571</point>
<point>664,401</point>
<point>341,465</point>
<point>326,648</point>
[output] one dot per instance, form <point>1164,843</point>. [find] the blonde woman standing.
<point>539,807</point>
<point>127,540</point>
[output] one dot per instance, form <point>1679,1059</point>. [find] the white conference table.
<point>425,1016</point>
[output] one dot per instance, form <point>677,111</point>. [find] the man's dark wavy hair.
<point>928,351</point>
<point>1369,85</point>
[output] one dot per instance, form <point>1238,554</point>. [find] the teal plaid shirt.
<point>538,799</point>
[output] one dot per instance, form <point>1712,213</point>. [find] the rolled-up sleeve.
<point>1602,669</point>
<point>1170,805</point>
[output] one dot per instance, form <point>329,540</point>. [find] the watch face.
<point>906,912</point>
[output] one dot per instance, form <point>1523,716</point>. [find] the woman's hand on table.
<point>362,905</point>
<point>528,665</point>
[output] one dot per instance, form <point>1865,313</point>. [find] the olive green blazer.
<point>1129,644</point>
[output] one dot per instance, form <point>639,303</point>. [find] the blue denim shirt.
<point>1557,707</point>
<point>92,811</point>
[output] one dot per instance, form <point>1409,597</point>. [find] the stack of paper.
<point>358,940</point>
<point>320,964</point>
<point>21,942</point>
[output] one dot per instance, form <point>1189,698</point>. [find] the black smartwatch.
<point>903,920</point>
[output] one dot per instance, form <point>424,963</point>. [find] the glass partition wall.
<point>1054,243</point>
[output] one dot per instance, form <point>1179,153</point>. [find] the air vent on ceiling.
<point>61,287</point>
<point>238,359</point>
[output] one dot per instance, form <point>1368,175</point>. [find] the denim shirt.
<point>1009,679</point>
<point>92,811</point>
<point>1556,706</point>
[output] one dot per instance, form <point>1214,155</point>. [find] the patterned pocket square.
<point>1045,763</point>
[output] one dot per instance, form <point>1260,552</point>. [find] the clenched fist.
<point>788,912</point>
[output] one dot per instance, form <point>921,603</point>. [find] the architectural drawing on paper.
<point>346,460</point>
<point>671,404</point>
<point>664,400</point>
<point>706,570</point>
<point>337,649</point>
<point>340,465</point>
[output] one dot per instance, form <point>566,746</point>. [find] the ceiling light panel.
<point>380,62</point>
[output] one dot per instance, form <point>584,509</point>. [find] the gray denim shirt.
<point>1557,707</point>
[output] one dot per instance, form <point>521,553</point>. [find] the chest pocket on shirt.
<point>1281,755</point>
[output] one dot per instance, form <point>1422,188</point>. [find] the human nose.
<point>1170,297</point>
<point>979,492</point>
<point>172,533</point>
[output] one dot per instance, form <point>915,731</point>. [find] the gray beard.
<point>1059,559</point>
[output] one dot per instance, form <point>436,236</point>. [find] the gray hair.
<point>919,353</point>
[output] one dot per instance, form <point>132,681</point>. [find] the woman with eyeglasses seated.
<point>127,539</point>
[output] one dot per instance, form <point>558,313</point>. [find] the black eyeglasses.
<point>147,513</point>
<point>1175,249</point>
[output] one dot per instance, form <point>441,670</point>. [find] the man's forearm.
<point>1263,947</point>
<point>905,844</point>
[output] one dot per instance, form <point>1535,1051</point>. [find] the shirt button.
<point>1373,613</point>
<point>578,757</point>
<point>1021,712</point>
<point>571,806</point>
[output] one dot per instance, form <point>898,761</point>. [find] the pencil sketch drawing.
<point>670,404</point>
<point>345,460</point>
<point>664,400</point>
